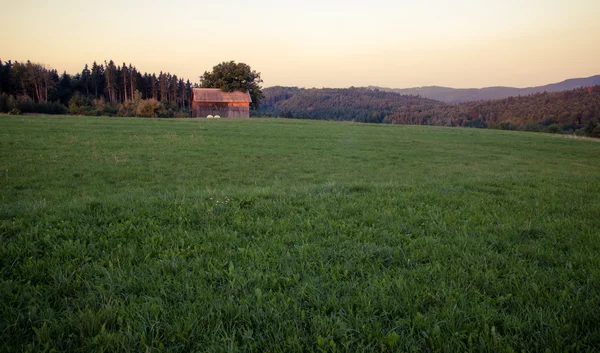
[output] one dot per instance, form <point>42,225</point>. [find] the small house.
<point>213,101</point>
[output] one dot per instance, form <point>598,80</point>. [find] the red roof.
<point>215,95</point>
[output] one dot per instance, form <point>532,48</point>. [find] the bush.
<point>596,132</point>
<point>165,112</point>
<point>554,129</point>
<point>52,108</point>
<point>508,125</point>
<point>532,126</point>
<point>14,111</point>
<point>182,114</point>
<point>127,109</point>
<point>7,103</point>
<point>98,105</point>
<point>548,122</point>
<point>569,128</point>
<point>110,109</point>
<point>589,129</point>
<point>148,108</point>
<point>27,105</point>
<point>79,105</point>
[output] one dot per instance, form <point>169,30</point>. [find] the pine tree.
<point>65,89</point>
<point>163,87</point>
<point>110,74</point>
<point>173,89</point>
<point>132,76</point>
<point>86,79</point>
<point>98,80</point>
<point>125,77</point>
<point>188,93</point>
<point>154,84</point>
<point>181,90</point>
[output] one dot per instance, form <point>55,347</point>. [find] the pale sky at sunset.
<point>317,43</point>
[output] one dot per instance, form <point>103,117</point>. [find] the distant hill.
<point>356,104</point>
<point>571,109</point>
<point>459,95</point>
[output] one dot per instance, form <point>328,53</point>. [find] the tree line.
<point>575,111</point>
<point>113,90</point>
<point>102,89</point>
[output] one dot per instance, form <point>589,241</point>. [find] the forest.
<point>575,111</point>
<point>102,89</point>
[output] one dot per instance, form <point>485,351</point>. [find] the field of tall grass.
<point>269,235</point>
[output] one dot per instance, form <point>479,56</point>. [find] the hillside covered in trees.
<point>356,104</point>
<point>567,111</point>
<point>460,95</point>
<point>102,89</point>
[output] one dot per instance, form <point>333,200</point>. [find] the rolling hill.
<point>458,95</point>
<point>572,109</point>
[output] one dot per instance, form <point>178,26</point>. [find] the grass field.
<point>267,235</point>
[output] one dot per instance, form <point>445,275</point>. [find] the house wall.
<point>224,110</point>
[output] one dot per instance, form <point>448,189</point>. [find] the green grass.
<point>267,235</point>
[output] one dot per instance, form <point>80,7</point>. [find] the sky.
<point>317,43</point>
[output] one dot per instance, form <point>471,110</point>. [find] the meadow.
<point>270,235</point>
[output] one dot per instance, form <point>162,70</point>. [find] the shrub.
<point>532,126</point>
<point>78,105</point>
<point>569,128</point>
<point>127,109</point>
<point>596,132</point>
<point>26,105</point>
<point>52,108</point>
<point>181,114</point>
<point>98,105</point>
<point>15,111</point>
<point>508,125</point>
<point>165,112</point>
<point>110,109</point>
<point>589,129</point>
<point>548,122</point>
<point>554,129</point>
<point>7,103</point>
<point>148,108</point>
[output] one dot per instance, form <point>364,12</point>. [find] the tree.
<point>86,79</point>
<point>132,81</point>
<point>154,83</point>
<point>231,76</point>
<point>65,90</point>
<point>110,73</point>
<point>98,80</point>
<point>188,93</point>
<point>125,76</point>
<point>173,96</point>
<point>163,87</point>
